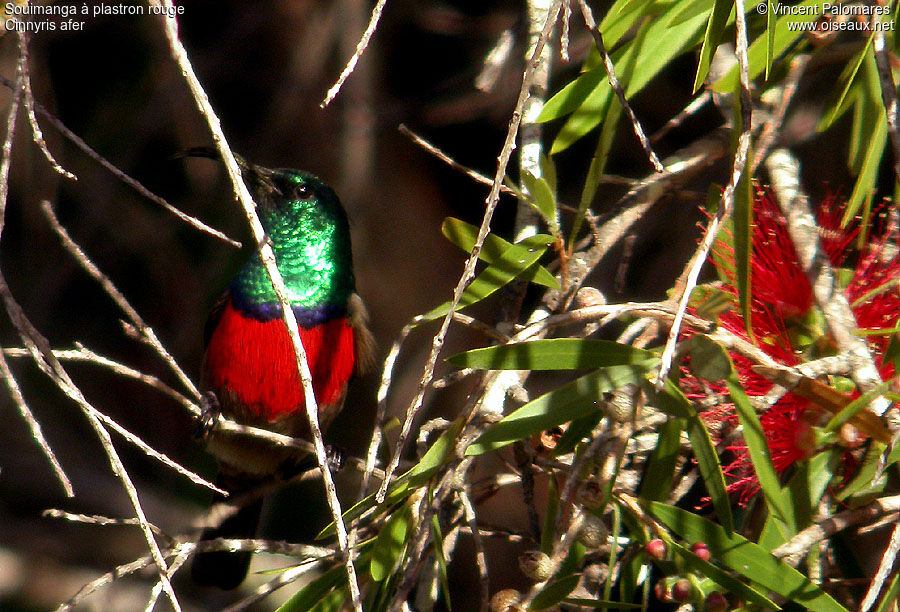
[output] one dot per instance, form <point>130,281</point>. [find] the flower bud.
<point>506,600</point>
<point>701,550</point>
<point>536,565</point>
<point>656,549</point>
<point>593,533</point>
<point>681,590</point>
<point>716,602</point>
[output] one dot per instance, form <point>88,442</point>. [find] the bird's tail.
<point>225,569</point>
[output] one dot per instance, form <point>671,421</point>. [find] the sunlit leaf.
<point>551,354</point>
<point>657,481</point>
<point>746,558</point>
<point>513,262</point>
<point>672,401</point>
<point>463,235</point>
<point>390,544</point>
<point>715,26</point>
<point>567,403</point>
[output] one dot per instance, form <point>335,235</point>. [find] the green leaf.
<point>551,354</point>
<point>657,481</point>
<point>724,580</point>
<point>417,476</point>
<point>743,241</point>
<point>438,542</point>
<point>596,168</point>
<point>865,476</point>
<point>637,62</point>
<point>785,35</point>
<point>515,260</point>
<point>463,235</point>
<point>544,200</point>
<point>770,35</point>
<point>554,592</point>
<point>580,397</point>
<point>390,544</point>
<point>672,401</point>
<point>548,531</point>
<point>848,77</point>
<point>314,592</point>
<point>714,361</point>
<point>856,405</point>
<point>746,558</point>
<point>718,19</point>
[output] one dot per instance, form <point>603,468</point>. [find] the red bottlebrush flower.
<point>783,323</point>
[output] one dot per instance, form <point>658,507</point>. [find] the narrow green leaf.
<point>438,542</point>
<point>865,476</point>
<point>743,242</point>
<point>848,78</point>
<point>657,481</point>
<point>548,531</point>
<point>390,544</point>
<point>463,235</point>
<point>724,580</point>
<point>551,354</point>
<point>554,592</point>
<point>544,200</point>
<point>714,360</point>
<point>573,95</point>
<point>672,401</point>
<point>856,405</point>
<point>889,600</point>
<point>784,37</point>
<point>567,403</point>
<point>715,26</point>
<point>770,35</point>
<point>508,266</point>
<point>637,62</point>
<point>417,476</point>
<point>746,558</point>
<point>310,595</point>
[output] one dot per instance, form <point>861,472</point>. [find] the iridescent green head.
<point>308,227</point>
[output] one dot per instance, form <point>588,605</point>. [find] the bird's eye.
<point>303,192</point>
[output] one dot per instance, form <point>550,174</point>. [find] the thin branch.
<point>793,551</point>
<point>802,227</point>
<point>37,135</point>
<point>36,433</point>
<point>469,269</point>
<point>360,49</point>
<point>267,256</point>
<point>884,570</point>
<point>42,354</point>
<point>888,93</point>
<point>727,202</point>
<point>473,174</point>
<point>588,16</point>
<point>120,300</point>
<point>771,129</point>
<point>694,106</point>
<point>137,186</point>
<point>480,560</point>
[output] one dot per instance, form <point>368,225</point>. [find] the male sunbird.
<point>249,363</point>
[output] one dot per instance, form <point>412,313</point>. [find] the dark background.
<point>266,65</point>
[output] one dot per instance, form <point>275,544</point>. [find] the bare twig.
<point>469,270</point>
<point>360,49</point>
<point>137,186</point>
<point>480,560</point>
<point>884,570</point>
<point>267,256</point>
<point>793,551</point>
<point>784,171</point>
<point>120,300</point>
<point>727,202</point>
<point>36,433</point>
<point>37,136</point>
<point>47,363</point>
<point>695,105</point>
<point>473,174</point>
<point>771,128</point>
<point>588,16</point>
<point>888,93</point>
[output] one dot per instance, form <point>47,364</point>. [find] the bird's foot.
<point>210,410</point>
<point>335,456</point>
